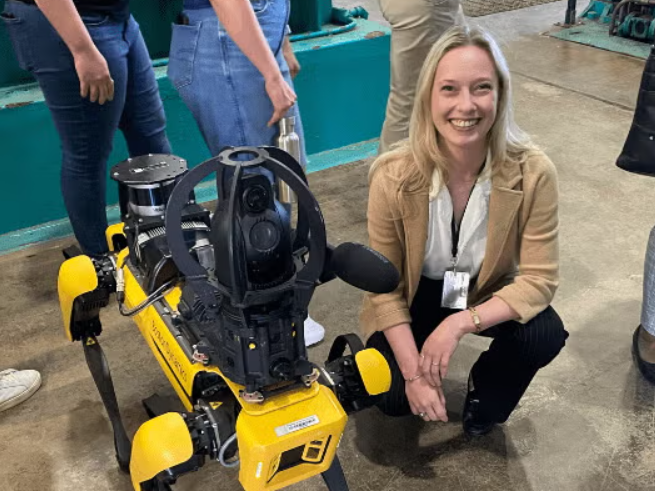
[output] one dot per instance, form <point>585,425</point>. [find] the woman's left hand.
<point>439,348</point>
<point>290,57</point>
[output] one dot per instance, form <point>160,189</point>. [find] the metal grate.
<point>478,8</point>
<point>159,231</point>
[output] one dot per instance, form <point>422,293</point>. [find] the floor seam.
<point>574,91</point>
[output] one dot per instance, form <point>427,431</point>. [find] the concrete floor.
<point>586,424</point>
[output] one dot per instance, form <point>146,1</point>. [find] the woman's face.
<point>464,97</point>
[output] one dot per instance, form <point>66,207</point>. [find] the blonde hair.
<point>421,152</point>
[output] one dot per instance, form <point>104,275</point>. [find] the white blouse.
<point>472,235</point>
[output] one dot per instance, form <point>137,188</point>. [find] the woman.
<point>93,67</point>
<point>232,63</point>
<point>467,211</point>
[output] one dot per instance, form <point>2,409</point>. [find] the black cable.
<point>150,299</point>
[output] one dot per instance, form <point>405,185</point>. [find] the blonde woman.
<point>466,209</point>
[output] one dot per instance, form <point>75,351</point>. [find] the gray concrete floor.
<point>586,424</point>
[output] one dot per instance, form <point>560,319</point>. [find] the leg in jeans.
<point>86,129</point>
<point>143,122</point>
<point>643,344</point>
<point>221,87</point>
<point>415,26</point>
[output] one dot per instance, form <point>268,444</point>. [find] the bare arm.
<point>424,399</point>
<point>404,348</point>
<point>63,16</point>
<point>492,312</point>
<point>290,57</point>
<point>241,24</point>
<point>442,343</point>
<point>91,67</point>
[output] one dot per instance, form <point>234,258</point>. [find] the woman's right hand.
<point>95,80</point>
<point>425,400</point>
<point>282,96</point>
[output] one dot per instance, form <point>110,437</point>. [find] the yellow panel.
<point>318,422</point>
<point>159,444</point>
<point>315,450</point>
<point>177,367</point>
<point>374,370</point>
<point>77,276</point>
<point>116,229</point>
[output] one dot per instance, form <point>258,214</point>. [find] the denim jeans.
<point>219,85</point>
<point>648,306</point>
<point>87,129</point>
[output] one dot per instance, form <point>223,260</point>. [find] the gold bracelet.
<point>476,319</point>
<point>415,377</point>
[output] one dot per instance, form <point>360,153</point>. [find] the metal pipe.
<point>339,16</point>
<point>617,13</point>
<point>323,33</point>
<point>569,19</point>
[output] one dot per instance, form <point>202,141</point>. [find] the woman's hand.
<point>92,70</point>
<point>440,346</point>
<point>425,400</point>
<point>290,57</point>
<point>95,80</point>
<point>282,96</point>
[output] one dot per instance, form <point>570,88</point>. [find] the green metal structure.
<point>342,91</point>
<point>632,19</point>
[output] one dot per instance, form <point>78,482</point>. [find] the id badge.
<point>455,290</point>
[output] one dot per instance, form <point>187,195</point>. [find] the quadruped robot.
<point>220,299</point>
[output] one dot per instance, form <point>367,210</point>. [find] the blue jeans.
<point>648,306</point>
<point>87,129</point>
<point>220,86</point>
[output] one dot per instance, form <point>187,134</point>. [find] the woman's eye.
<point>448,88</point>
<point>485,87</point>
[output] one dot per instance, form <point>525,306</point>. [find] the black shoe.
<point>647,369</point>
<point>474,423</point>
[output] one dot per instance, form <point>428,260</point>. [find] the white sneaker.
<point>17,386</point>
<point>314,332</point>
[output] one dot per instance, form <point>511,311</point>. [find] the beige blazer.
<point>521,263</point>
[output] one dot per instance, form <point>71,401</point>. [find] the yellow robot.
<point>220,299</point>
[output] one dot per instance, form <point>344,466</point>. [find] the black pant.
<point>502,373</point>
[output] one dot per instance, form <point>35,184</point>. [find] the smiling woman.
<point>466,209</point>
<point>464,100</point>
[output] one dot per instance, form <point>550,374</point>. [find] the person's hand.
<point>425,400</point>
<point>95,80</point>
<point>282,96</point>
<point>439,348</point>
<point>290,57</point>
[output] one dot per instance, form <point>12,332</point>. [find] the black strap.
<point>456,228</point>
<point>341,342</point>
